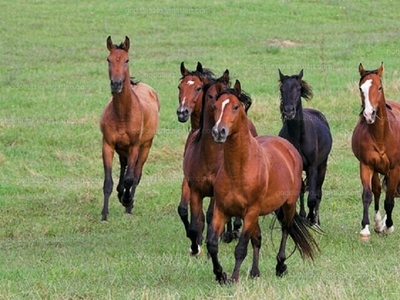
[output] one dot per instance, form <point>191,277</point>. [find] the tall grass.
<point>53,88</point>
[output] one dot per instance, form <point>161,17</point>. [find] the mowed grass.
<point>53,88</point>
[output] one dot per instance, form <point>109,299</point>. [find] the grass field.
<point>54,85</point>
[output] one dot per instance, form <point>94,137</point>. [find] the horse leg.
<point>285,216</point>
<point>302,191</point>
<point>366,174</point>
<point>213,233</point>
<point>376,191</point>
<point>120,186</point>
<point>137,173</point>
<point>108,154</point>
<point>318,190</point>
<point>312,196</point>
<point>236,227</point>
<point>196,222</point>
<point>127,199</point>
<point>256,243</point>
<point>183,205</point>
<point>251,230</point>
<point>392,183</point>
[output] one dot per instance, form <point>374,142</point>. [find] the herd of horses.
<point>246,175</point>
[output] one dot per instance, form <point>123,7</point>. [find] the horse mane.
<point>120,46</point>
<point>207,73</point>
<point>244,97</point>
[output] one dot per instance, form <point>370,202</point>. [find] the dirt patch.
<point>281,43</point>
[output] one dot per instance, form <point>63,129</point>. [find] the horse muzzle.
<point>183,115</point>
<point>219,134</point>
<point>289,112</point>
<point>116,86</point>
<point>370,117</point>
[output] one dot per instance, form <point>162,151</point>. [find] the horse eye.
<point>198,89</point>
<point>236,107</point>
<point>179,87</point>
<point>108,60</point>
<point>380,88</point>
<point>127,60</point>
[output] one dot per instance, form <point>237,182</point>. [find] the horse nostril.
<point>223,132</point>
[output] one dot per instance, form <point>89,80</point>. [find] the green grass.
<point>53,88</point>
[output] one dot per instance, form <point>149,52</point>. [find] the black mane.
<point>368,72</point>
<point>207,73</point>
<point>244,97</point>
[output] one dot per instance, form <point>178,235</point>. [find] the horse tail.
<point>301,235</point>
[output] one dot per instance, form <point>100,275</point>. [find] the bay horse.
<point>258,176</point>
<point>128,124</point>
<point>308,130</point>
<point>200,164</point>
<point>191,93</point>
<point>376,144</point>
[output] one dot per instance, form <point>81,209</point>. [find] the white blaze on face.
<point>368,109</point>
<point>224,103</point>
<point>190,82</point>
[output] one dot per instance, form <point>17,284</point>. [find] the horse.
<point>200,164</point>
<point>258,176</point>
<point>190,94</point>
<point>376,145</point>
<point>308,130</point>
<point>128,124</point>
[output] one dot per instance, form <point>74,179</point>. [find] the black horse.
<point>308,130</point>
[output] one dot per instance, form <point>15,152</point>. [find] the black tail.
<point>301,236</point>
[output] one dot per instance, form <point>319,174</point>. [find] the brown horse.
<point>201,162</point>
<point>258,176</point>
<point>376,144</point>
<point>128,123</point>
<point>191,93</point>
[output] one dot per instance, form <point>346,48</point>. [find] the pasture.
<point>54,85</point>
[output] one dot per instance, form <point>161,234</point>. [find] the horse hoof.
<point>365,237</point>
<point>227,237</point>
<point>128,214</point>
<point>199,251</point>
<point>281,270</point>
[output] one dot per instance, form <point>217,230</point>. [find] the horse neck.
<point>122,102</point>
<point>195,115</point>
<point>237,149</point>
<point>380,128</point>
<point>296,126</point>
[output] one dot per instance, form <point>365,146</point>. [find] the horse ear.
<point>237,87</point>
<point>110,44</point>
<point>127,43</point>
<point>199,67</point>
<point>361,69</point>
<point>300,76</point>
<point>184,71</point>
<point>225,77</point>
<point>281,76</point>
<point>380,69</point>
<point>219,87</point>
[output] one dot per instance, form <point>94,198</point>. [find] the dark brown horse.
<point>376,144</point>
<point>191,93</point>
<point>128,123</point>
<point>258,176</point>
<point>308,130</point>
<point>201,161</point>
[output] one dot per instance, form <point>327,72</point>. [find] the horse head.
<point>227,111</point>
<point>371,91</point>
<point>292,89</point>
<point>118,67</point>
<point>190,90</point>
